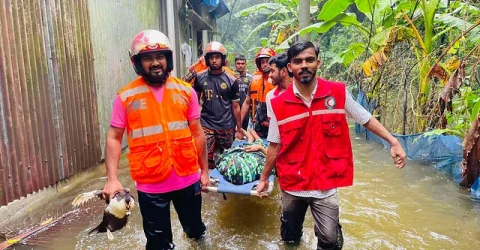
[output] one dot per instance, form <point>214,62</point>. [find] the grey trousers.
<point>325,213</point>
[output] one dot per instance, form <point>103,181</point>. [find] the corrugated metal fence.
<point>48,108</point>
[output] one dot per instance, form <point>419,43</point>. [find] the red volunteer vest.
<point>315,153</point>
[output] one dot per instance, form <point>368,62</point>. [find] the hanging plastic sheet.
<point>211,5</point>
<point>221,10</point>
<point>443,152</point>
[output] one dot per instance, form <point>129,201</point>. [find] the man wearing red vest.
<point>167,157</point>
<point>310,146</point>
<point>256,97</point>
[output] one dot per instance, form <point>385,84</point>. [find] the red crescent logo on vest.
<point>330,102</point>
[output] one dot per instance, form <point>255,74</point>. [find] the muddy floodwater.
<point>387,208</point>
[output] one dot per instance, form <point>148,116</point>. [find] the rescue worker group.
<point>176,128</point>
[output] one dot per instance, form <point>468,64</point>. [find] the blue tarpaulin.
<point>217,7</point>
<point>443,152</point>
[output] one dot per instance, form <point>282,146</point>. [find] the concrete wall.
<point>113,25</point>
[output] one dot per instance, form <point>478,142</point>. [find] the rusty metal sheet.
<point>48,107</point>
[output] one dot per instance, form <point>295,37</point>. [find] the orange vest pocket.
<point>185,157</point>
<point>148,166</point>
<point>135,162</point>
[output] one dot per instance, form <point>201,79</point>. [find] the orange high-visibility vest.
<point>158,133</point>
<point>259,87</point>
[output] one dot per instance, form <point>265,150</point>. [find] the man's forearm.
<point>378,129</point>
<point>201,145</point>
<point>236,113</point>
<point>272,152</point>
<point>244,109</point>
<point>113,150</point>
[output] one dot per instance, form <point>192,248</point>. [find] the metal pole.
<point>171,28</point>
<point>304,17</point>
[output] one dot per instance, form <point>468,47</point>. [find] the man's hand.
<point>239,135</point>
<point>398,155</point>
<point>111,188</point>
<point>205,180</point>
<point>265,124</point>
<point>262,187</point>
<point>253,148</point>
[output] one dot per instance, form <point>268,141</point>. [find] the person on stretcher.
<point>243,163</point>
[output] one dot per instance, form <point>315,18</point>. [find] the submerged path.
<point>387,208</point>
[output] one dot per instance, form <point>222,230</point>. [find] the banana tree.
<point>282,19</point>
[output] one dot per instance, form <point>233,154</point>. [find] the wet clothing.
<point>217,92</point>
<point>243,86</point>
<point>163,157</point>
<point>155,209</point>
<point>240,167</point>
<point>326,222</point>
<point>325,213</point>
<point>219,139</point>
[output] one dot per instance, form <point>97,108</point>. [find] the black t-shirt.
<point>217,92</point>
<point>243,86</point>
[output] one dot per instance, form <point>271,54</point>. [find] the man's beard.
<point>276,81</point>
<point>216,67</point>
<point>156,79</point>
<point>305,80</point>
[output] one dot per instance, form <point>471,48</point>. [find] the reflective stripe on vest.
<point>141,132</point>
<point>170,85</point>
<point>316,112</point>
<point>157,129</point>
<point>133,91</point>
<point>177,125</point>
<point>158,135</point>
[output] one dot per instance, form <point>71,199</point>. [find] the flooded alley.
<point>387,208</point>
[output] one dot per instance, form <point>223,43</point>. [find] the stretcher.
<point>220,185</point>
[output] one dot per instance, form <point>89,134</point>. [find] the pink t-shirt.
<point>174,181</point>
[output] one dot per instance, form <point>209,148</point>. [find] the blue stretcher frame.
<point>220,185</point>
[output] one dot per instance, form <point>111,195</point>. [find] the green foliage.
<point>333,8</point>
<point>423,30</point>
<point>234,30</point>
<point>282,19</point>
